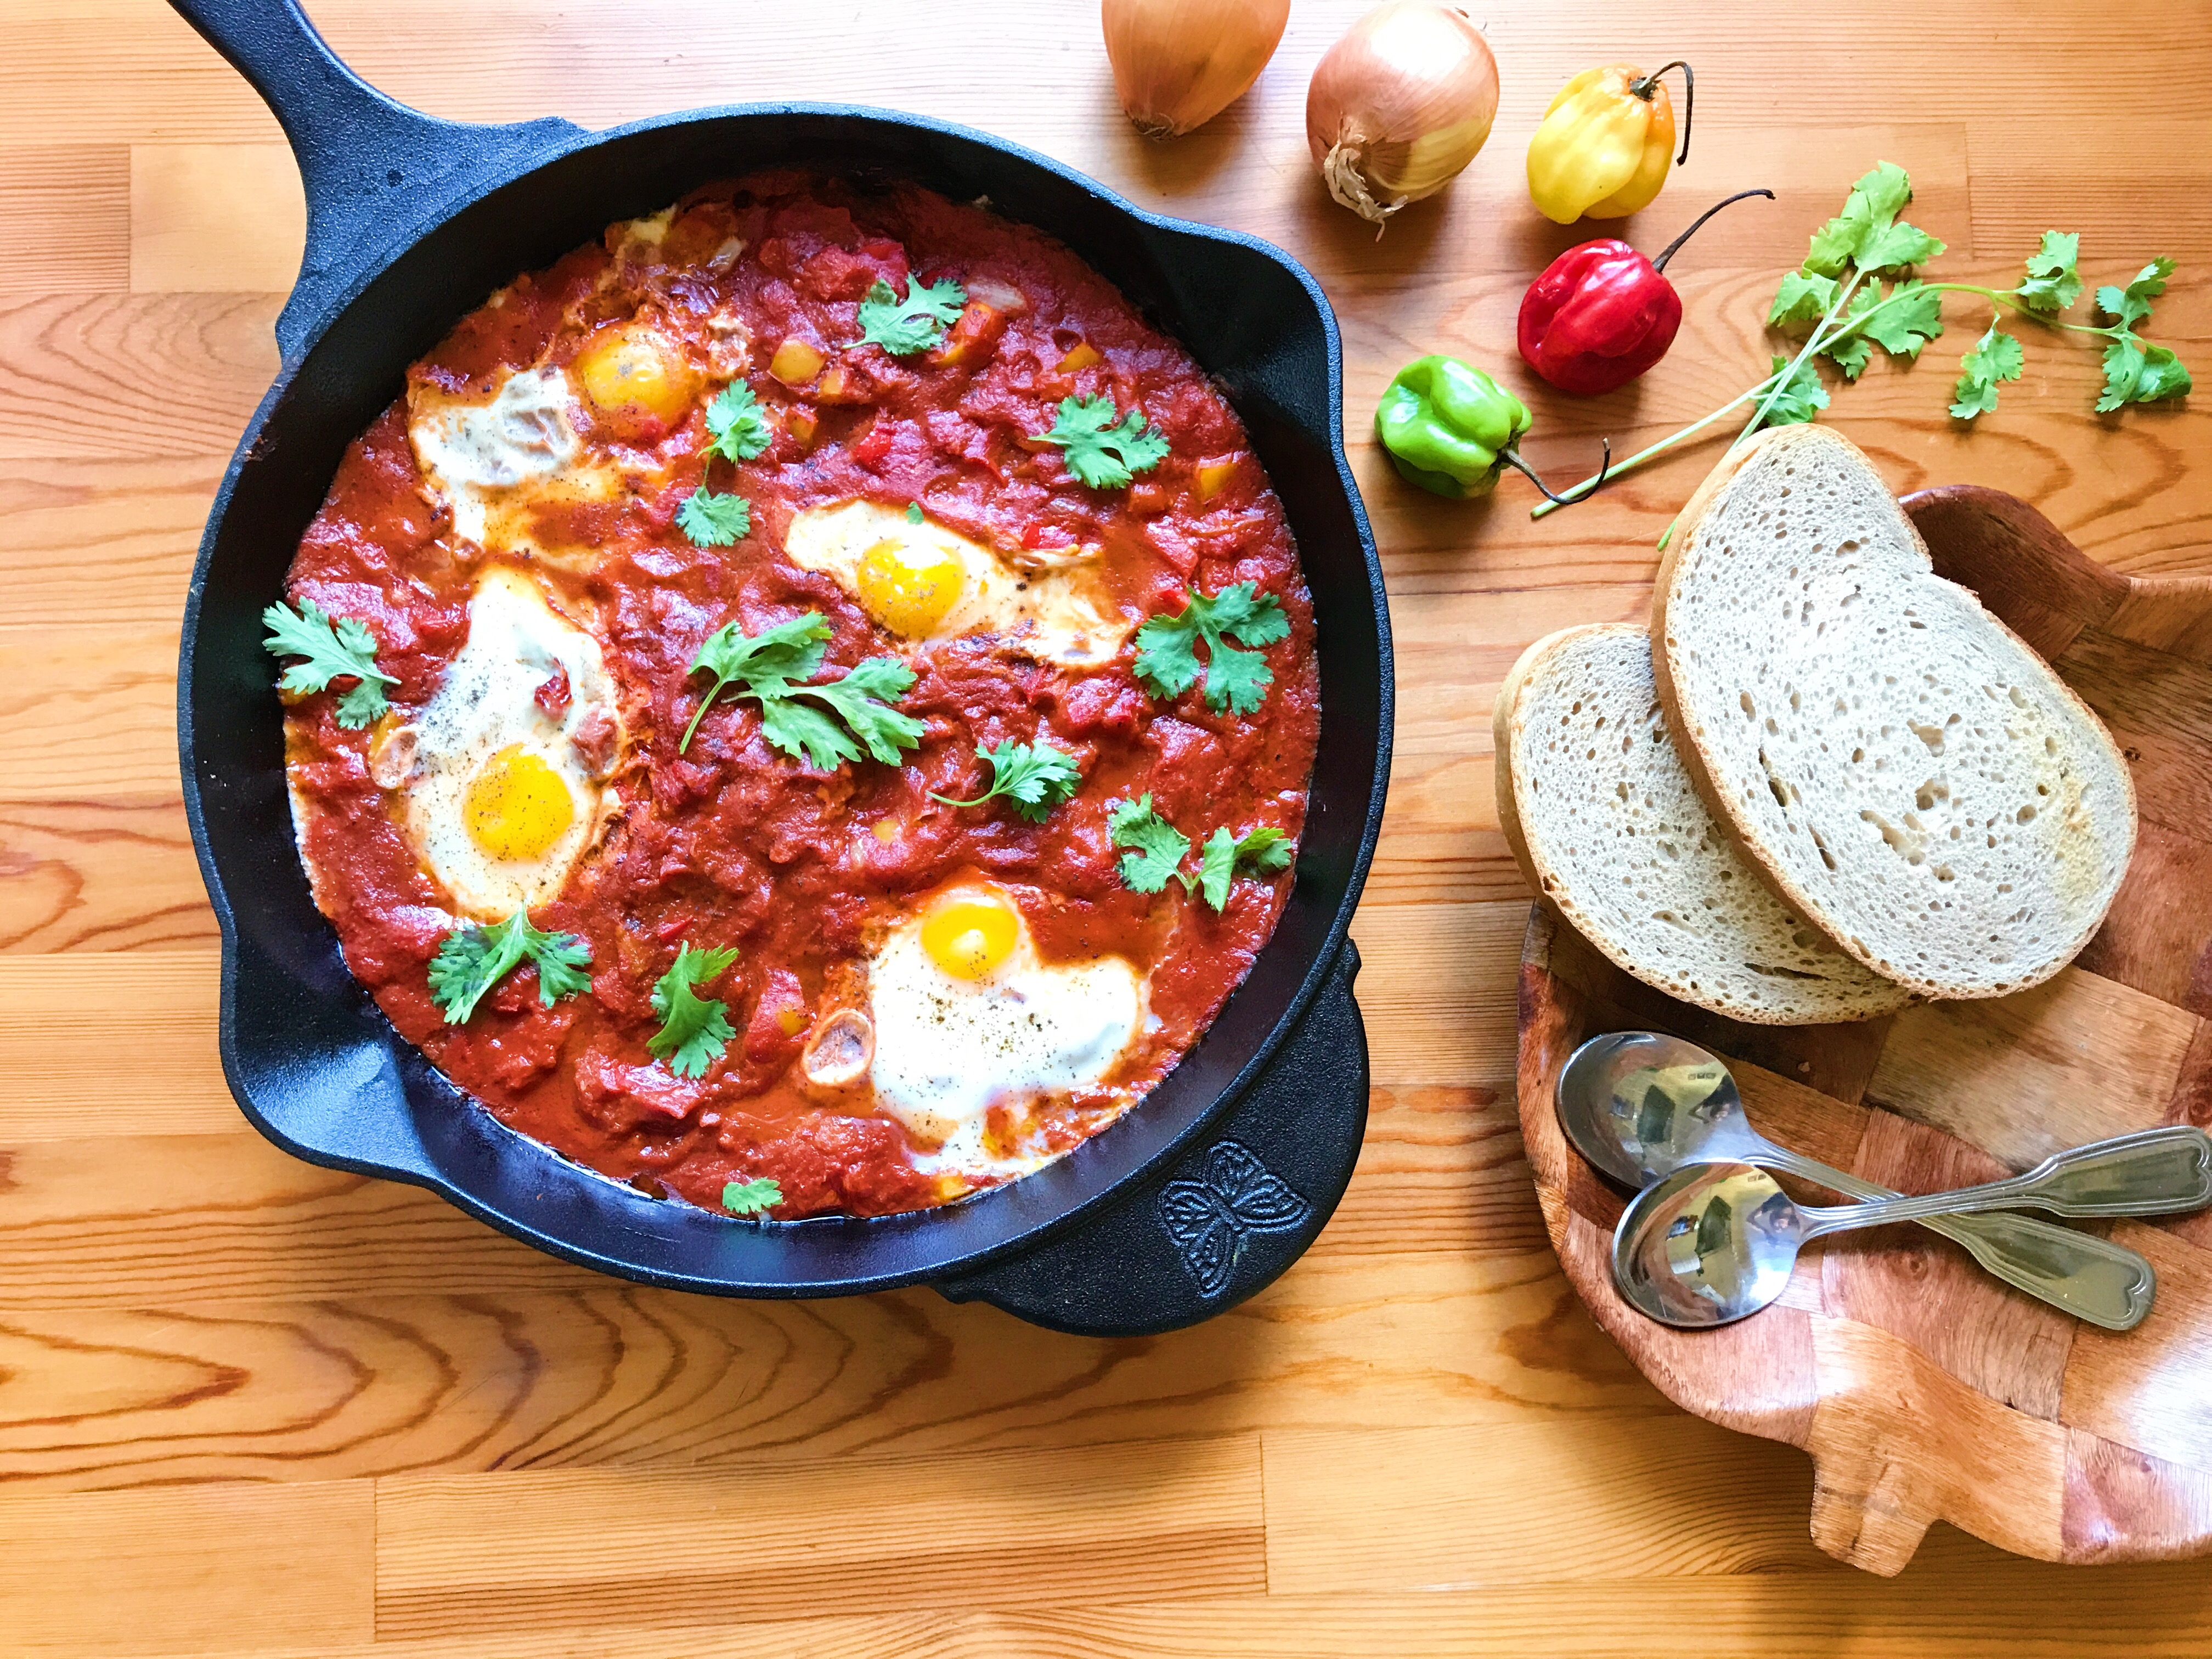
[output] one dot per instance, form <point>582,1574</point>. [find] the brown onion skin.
<point>1401,105</point>
<point>1178,63</point>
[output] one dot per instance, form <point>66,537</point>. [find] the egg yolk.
<point>637,367</point>
<point>518,806</point>
<point>969,935</point>
<point>909,589</point>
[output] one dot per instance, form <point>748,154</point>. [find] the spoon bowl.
<point>1712,1244</point>
<point>1641,1104</point>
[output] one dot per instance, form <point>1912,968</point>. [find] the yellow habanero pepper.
<point>1601,150</point>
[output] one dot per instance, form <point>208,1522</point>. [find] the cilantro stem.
<point>1813,342</point>
<point>1575,492</point>
<point>1772,384</point>
<point>699,713</point>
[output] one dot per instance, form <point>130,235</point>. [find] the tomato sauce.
<point>733,844</point>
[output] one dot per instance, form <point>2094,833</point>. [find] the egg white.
<point>487,701</point>
<point>1056,614</point>
<point>491,461</point>
<point>948,1049</point>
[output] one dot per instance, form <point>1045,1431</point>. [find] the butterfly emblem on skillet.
<point>1210,1218</point>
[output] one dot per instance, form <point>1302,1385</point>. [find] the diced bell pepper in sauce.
<point>1082,355</point>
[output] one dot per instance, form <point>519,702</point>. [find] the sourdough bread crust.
<point>1946,961</point>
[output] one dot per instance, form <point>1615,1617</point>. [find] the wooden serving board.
<point>1923,1389</point>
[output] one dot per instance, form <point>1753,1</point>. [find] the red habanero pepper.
<point>1601,314</point>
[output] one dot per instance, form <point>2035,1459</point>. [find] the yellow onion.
<point>1400,106</point>
<point>1178,63</point>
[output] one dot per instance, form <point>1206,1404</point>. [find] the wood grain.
<point>216,1366</point>
<point>73,203</point>
<point>192,1569</point>
<point>1167,1519</point>
<point>1935,1393</point>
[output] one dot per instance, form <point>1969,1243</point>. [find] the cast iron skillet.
<point>1195,1199</point>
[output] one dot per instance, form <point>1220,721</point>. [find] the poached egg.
<point>500,775</point>
<point>926,583</point>
<point>968,1017</point>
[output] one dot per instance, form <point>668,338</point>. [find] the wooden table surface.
<point>248,1407</point>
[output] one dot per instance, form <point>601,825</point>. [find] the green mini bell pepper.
<point>1449,426</point>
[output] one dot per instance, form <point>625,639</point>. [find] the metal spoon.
<point>1641,1104</point>
<point>1715,1242</point>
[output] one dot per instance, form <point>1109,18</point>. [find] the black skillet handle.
<point>376,173</point>
<point>1227,1219</point>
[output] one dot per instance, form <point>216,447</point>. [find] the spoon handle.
<point>2152,1172</point>
<point>2089,1277</point>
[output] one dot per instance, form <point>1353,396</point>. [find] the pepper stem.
<point>1580,492</point>
<point>1698,224</point>
<point>1645,85</point>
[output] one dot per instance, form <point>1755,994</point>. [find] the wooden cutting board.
<point>1923,1389</point>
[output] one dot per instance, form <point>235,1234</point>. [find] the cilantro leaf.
<point>916,323</point>
<point>737,425</point>
<point>766,666</point>
<point>2135,373</point>
<point>1100,453</point>
<point>1996,358</point>
<point>1895,246</point>
<point>1850,352</point>
<point>1036,777</point>
<point>2053,283</point>
<point>1167,647</point>
<point>766,662</point>
<point>754,1197</point>
<point>1159,847</point>
<point>1909,316</point>
<point>914,511</point>
<point>694,1030</point>
<point>712,521</point>
<point>2138,374</point>
<point>1800,396</point>
<point>1803,297</point>
<point>334,648</point>
<point>805,733</point>
<point>862,698</point>
<point>1900,321</point>
<point>1264,851</point>
<point>1870,210</point>
<point>2131,304</point>
<point>471,960</point>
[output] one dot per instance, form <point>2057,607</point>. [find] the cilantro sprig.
<point>754,1197</point>
<point>916,323</point>
<point>1035,777</point>
<point>857,716</point>
<point>713,520</point>
<point>736,428</point>
<point>1840,298</point>
<point>1101,453</point>
<point>1996,358</point>
<point>334,648</point>
<point>694,1030</point>
<point>471,960</point>
<point>1157,849</point>
<point>2135,373</point>
<point>1167,647</point>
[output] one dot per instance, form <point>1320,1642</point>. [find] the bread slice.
<point>1605,822</point>
<point>1904,769</point>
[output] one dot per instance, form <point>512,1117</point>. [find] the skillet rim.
<point>1324,967</point>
